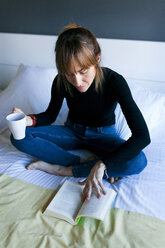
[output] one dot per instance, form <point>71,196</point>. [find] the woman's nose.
<point>77,80</point>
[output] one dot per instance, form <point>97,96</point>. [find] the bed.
<point>137,218</point>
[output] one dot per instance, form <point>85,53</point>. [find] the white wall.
<point>139,60</point>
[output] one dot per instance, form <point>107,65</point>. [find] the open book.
<point>67,204</point>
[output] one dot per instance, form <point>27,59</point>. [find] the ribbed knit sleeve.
<point>140,137</point>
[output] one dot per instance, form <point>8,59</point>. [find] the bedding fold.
<point>22,223</point>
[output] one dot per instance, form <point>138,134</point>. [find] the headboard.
<point>142,62</point>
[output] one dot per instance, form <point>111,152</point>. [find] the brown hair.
<point>75,42</point>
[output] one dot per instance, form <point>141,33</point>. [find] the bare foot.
<point>113,179</point>
<point>52,169</point>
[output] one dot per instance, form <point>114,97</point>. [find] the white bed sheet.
<point>143,193</point>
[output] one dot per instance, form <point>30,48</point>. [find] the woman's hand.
<point>17,110</point>
<point>94,181</point>
<point>29,120</point>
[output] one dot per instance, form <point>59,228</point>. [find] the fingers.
<point>14,110</point>
<point>17,110</point>
<point>98,189</point>
<point>87,192</point>
<point>89,187</point>
<point>102,187</point>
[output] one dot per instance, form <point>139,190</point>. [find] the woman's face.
<point>81,78</point>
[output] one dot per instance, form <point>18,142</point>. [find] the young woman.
<point>92,94</point>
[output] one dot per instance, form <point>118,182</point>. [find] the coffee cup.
<point>17,125</point>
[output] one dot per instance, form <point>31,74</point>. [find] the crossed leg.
<point>60,170</point>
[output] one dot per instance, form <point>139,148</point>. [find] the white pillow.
<point>29,90</point>
<point>152,106</point>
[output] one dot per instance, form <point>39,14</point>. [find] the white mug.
<point>17,125</point>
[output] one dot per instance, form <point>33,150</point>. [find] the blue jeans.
<point>52,144</point>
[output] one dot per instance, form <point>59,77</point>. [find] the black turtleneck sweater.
<point>92,108</point>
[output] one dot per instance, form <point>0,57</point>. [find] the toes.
<point>31,166</point>
<point>113,179</point>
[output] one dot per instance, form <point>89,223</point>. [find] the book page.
<point>66,202</point>
<point>97,208</point>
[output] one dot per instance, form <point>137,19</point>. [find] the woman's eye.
<point>71,75</point>
<point>84,72</point>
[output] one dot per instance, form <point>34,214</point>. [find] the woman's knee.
<point>138,163</point>
<point>15,143</point>
<point>22,143</point>
<point>143,161</point>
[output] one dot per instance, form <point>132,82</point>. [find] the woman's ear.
<point>98,57</point>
